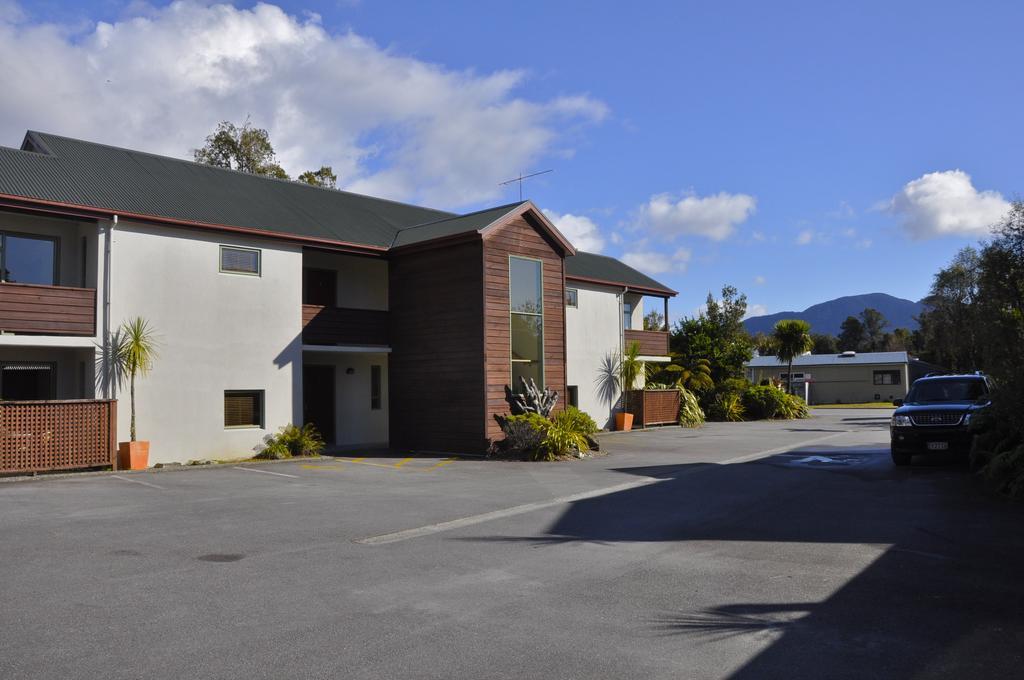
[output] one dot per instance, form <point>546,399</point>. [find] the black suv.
<point>936,415</point>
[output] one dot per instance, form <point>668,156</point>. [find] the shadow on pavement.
<point>944,598</point>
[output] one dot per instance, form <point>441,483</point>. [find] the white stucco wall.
<point>362,281</point>
<point>356,424</point>
<point>217,332</point>
<point>593,343</point>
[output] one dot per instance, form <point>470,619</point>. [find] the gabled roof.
<point>833,359</point>
<point>74,173</point>
<point>452,226</point>
<point>603,269</point>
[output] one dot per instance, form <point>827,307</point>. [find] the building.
<point>384,324</point>
<point>846,378</point>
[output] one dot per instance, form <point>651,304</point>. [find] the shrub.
<point>524,434</point>
<point>727,406</point>
<point>763,401</point>
<point>577,420</point>
<point>292,440</point>
<point>561,439</point>
<point>690,412</point>
<point>1005,472</point>
<point>792,407</point>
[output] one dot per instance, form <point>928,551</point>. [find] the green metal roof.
<point>70,171</point>
<point>452,226</point>
<point>609,270</point>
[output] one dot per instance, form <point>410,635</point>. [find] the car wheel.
<point>901,458</point>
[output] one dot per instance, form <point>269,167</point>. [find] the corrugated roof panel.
<point>833,359</point>
<point>603,268</point>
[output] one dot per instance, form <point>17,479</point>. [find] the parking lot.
<point>747,550</point>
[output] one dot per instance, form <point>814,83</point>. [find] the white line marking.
<point>268,472</point>
<point>429,529</point>
<point>137,481</point>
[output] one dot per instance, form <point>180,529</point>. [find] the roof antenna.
<point>521,178</point>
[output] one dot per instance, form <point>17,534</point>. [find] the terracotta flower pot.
<point>624,421</point>
<point>133,455</point>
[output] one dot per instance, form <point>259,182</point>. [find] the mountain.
<point>826,317</point>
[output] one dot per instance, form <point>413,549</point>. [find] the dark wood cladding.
<point>437,360</point>
<point>47,310</point>
<point>341,326</point>
<point>519,238</point>
<point>57,435</point>
<point>652,343</point>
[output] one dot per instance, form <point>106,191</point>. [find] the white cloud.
<point>946,203</point>
<point>759,280</point>
<point>755,310</point>
<point>390,125</point>
<point>804,237</point>
<point>714,217</point>
<point>651,262</point>
<point>581,231</point>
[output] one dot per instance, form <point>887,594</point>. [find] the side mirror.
<point>897,402</point>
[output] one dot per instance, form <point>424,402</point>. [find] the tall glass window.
<point>29,259</point>
<point>526,312</point>
<point>627,315</point>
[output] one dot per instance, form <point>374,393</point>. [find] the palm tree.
<point>695,377</point>
<point>791,337</point>
<point>134,352</point>
<point>630,369</point>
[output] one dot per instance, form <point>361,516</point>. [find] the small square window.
<point>887,377</point>
<point>240,260</point>
<point>574,395</point>
<point>572,297</point>
<point>243,408</point>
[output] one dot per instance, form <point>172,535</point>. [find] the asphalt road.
<point>749,550</point>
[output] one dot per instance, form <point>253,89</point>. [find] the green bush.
<point>763,402</point>
<point>524,434</point>
<point>576,420</point>
<point>727,406</point>
<point>292,440</point>
<point>561,439</point>
<point>793,407</point>
<point>690,412</point>
<point>1005,471</point>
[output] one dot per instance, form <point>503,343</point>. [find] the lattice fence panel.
<point>56,435</point>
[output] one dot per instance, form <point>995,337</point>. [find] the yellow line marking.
<point>322,467</point>
<point>439,464</point>
<point>363,462</point>
<point>402,462</point>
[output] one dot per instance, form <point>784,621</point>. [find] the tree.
<point>792,338</point>
<point>824,343</point>
<point>654,321</point>
<point>874,323</point>
<point>952,318</point>
<point>851,335</point>
<point>716,335</point>
<point>135,349</point>
<point>246,148</point>
<point>323,178</point>
<point>630,369</point>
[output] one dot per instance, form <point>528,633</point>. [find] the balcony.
<point>342,326</point>
<point>47,310</point>
<point>652,343</point>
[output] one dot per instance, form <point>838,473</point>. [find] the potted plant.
<point>630,368</point>
<point>134,352</point>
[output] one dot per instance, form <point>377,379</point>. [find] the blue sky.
<point>799,151</point>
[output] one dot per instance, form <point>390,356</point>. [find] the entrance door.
<point>318,399</point>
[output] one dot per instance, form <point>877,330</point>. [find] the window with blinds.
<point>243,408</point>
<point>240,260</point>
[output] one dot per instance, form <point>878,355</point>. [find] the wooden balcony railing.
<point>652,343</point>
<point>57,435</point>
<point>47,310</point>
<point>341,326</point>
<point>654,407</point>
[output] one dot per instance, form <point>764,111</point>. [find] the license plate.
<point>938,446</point>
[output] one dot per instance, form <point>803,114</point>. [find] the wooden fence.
<point>654,407</point>
<point>57,435</point>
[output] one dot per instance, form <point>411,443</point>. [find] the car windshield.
<point>946,390</point>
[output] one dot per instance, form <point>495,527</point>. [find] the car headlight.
<point>967,419</point>
<point>901,421</point>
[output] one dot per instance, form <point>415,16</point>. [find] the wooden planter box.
<point>654,407</point>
